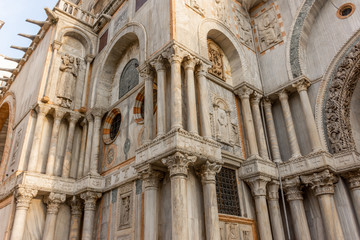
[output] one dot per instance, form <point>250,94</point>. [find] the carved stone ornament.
<point>337,109</point>
<point>76,206</point>
<point>90,199</point>
<point>178,163</point>
<point>125,203</point>
<point>216,57</point>
<point>24,196</point>
<point>258,186</point>
<point>244,31</point>
<point>65,89</point>
<point>322,183</point>
<point>292,187</point>
<point>222,123</point>
<point>53,202</point>
<point>268,29</point>
<point>273,190</point>
<point>194,5</point>
<point>353,179</point>
<point>208,172</point>
<point>151,178</point>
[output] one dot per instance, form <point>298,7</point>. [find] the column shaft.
<point>176,97</point>
<point>88,145</point>
<point>95,145</point>
<point>274,211</point>
<point>75,224</point>
<point>69,146</point>
<point>89,214</point>
<point>355,193</point>
<point>354,185</point>
<point>272,132</point>
<point>149,110</point>
<point>80,170</point>
<point>204,101</point>
<point>190,96</point>
<point>53,203</point>
<point>161,111</point>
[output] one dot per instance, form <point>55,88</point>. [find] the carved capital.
<point>292,187</point>
<point>267,103</point>
<point>58,114</point>
<point>321,183</point>
<point>146,72</point>
<point>258,186</point>
<point>273,190</point>
<point>302,85</point>
<point>56,45</point>
<point>74,118</point>
<point>89,58</point>
<point>244,92</point>
<point>283,95</point>
<point>43,109</point>
<point>174,54</point>
<point>24,196</point>
<point>151,178</point>
<point>202,69</point>
<point>90,199</point>
<point>190,62</point>
<point>89,118</point>
<point>53,202</point>
<point>76,206</point>
<point>159,63</point>
<point>97,113</point>
<point>353,179</point>
<point>178,163</point>
<point>208,172</point>
<point>255,99</point>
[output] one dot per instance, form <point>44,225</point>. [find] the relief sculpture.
<point>268,29</point>
<point>216,58</point>
<point>245,33</point>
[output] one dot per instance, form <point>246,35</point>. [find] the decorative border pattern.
<point>107,125</point>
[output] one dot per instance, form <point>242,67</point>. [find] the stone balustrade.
<point>76,12</point>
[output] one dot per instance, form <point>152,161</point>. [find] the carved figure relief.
<point>244,31</point>
<point>125,207</point>
<point>223,126</point>
<point>220,11</point>
<point>216,57</point>
<point>194,5</point>
<point>268,29</point>
<point>66,85</point>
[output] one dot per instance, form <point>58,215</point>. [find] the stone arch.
<point>79,35</point>
<point>299,33</point>
<point>7,119</point>
<point>127,35</point>
<point>219,33</point>
<point>334,98</point>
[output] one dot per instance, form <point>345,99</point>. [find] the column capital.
<point>202,69</point>
<point>283,95</point>
<point>76,206</point>
<point>43,109</point>
<point>208,172</point>
<point>73,118</point>
<point>24,196</point>
<point>353,179</point>
<point>292,187</point>
<point>159,63</point>
<point>56,45</point>
<point>53,202</point>
<point>90,199</point>
<point>255,99</point>
<point>258,186</point>
<point>302,85</point>
<point>97,112</point>
<point>321,183</point>
<point>273,190</point>
<point>267,102</point>
<point>89,118</point>
<point>244,92</point>
<point>178,163</point>
<point>174,54</point>
<point>146,72</point>
<point>151,178</point>
<point>189,62</point>
<point>58,114</point>
<point>89,58</point>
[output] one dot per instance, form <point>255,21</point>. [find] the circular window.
<point>345,10</point>
<point>111,127</point>
<point>139,107</point>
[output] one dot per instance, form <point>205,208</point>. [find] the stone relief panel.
<point>244,29</point>
<point>216,57</point>
<point>236,231</point>
<point>194,5</point>
<point>125,202</point>
<point>268,29</point>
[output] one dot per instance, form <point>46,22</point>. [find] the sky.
<point>14,13</point>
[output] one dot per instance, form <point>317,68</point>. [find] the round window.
<point>111,127</point>
<point>345,10</point>
<point>115,126</point>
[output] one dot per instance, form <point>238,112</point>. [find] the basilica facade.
<point>184,120</point>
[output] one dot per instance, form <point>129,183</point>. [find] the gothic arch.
<point>130,33</point>
<point>80,36</point>
<point>334,98</point>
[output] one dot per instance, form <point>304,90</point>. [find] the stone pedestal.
<point>323,185</point>
<point>178,167</point>
<point>75,224</point>
<point>274,210</point>
<point>354,185</point>
<point>293,192</point>
<point>23,200</point>
<point>53,202</point>
<point>90,199</point>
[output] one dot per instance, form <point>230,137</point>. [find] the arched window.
<point>129,77</point>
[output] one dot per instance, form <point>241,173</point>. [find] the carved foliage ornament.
<point>216,57</point>
<point>337,109</point>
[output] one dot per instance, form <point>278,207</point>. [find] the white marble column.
<point>53,202</point>
<point>75,224</point>
<point>97,113</point>
<point>354,185</point>
<point>294,196</point>
<point>42,110</point>
<point>208,172</point>
<point>274,210</point>
<point>272,132</point>
<point>259,129</point>
<point>151,181</point>
<point>244,94</point>
<point>294,145</point>
<point>90,199</point>
<point>302,87</point>
<point>323,185</point>
<point>50,166</point>
<point>258,189</point>
<point>204,100</point>
<point>147,75</point>
<point>89,58</point>
<point>73,119</point>
<point>23,200</point>
<point>178,167</point>
<point>160,68</point>
<point>89,140</point>
<point>80,169</point>
<point>189,65</point>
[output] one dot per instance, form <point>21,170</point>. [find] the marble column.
<point>204,100</point>
<point>294,196</point>
<point>302,87</point>
<point>80,170</point>
<point>160,68</point>
<point>272,132</point>
<point>260,134</point>
<point>323,185</point>
<point>146,74</point>
<point>258,189</point>
<point>53,202</point>
<point>178,167</point>
<point>97,113</point>
<point>23,199</point>
<point>189,66</point>
<point>73,119</point>
<point>75,224</point>
<point>151,181</point>
<point>294,145</point>
<point>354,185</point>
<point>50,166</point>
<point>35,148</point>
<point>208,172</point>
<point>244,94</point>
<point>89,140</point>
<point>274,210</point>
<point>89,58</point>
<point>90,199</point>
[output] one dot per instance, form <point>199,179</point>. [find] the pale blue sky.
<point>14,13</point>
